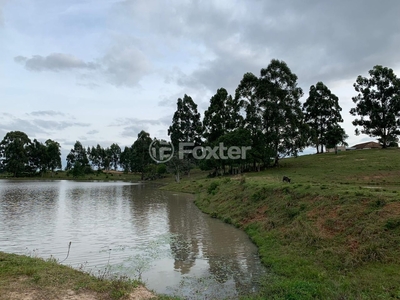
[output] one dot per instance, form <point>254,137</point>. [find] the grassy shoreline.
<point>24,277</point>
<point>334,233</point>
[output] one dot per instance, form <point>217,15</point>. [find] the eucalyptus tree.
<point>14,152</point>
<point>140,153</point>
<point>115,154</point>
<point>378,105</point>
<point>186,124</point>
<point>273,111</point>
<point>53,158</point>
<point>77,160</point>
<point>38,157</point>
<point>222,116</point>
<point>186,127</point>
<point>322,111</point>
<point>247,96</point>
<point>126,159</point>
<point>283,118</point>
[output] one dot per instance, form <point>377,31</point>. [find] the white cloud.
<point>125,64</point>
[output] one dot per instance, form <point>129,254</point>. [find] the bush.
<point>161,169</point>
<point>212,188</point>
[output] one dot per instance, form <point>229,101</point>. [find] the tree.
<point>246,95</point>
<point>125,159</point>
<point>186,125</point>
<point>178,166</point>
<point>378,105</point>
<point>14,152</point>
<point>115,153</point>
<point>322,111</point>
<point>77,160</point>
<point>38,157</point>
<point>283,116</point>
<point>273,112</point>
<point>53,158</point>
<point>141,156</point>
<point>222,116</point>
<point>335,135</point>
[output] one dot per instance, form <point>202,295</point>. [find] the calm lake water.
<point>129,229</point>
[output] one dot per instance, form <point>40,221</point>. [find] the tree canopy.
<point>14,150</point>
<point>186,124</point>
<point>378,105</point>
<point>322,111</point>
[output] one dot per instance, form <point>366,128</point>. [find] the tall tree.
<point>77,160</point>
<point>186,125</point>
<point>53,159</point>
<point>115,154</point>
<point>322,111</point>
<point>273,110</point>
<point>222,116</point>
<point>38,157</point>
<point>141,156</point>
<point>247,96</point>
<point>14,152</point>
<point>378,105</point>
<point>126,159</point>
<point>283,117</point>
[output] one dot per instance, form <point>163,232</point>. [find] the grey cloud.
<point>54,62</point>
<point>58,125</point>
<point>22,125</point>
<point>46,113</point>
<point>132,126</point>
<point>320,40</point>
<point>133,130</point>
<point>125,64</point>
<point>136,121</point>
<point>92,132</point>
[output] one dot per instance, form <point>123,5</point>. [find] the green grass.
<point>333,233</point>
<point>35,278</point>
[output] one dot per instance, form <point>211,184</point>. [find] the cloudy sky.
<point>101,71</point>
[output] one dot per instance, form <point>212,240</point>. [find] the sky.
<point>101,71</point>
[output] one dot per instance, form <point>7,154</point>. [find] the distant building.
<point>367,145</point>
<point>339,149</point>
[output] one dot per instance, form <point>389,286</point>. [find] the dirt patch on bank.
<point>37,294</point>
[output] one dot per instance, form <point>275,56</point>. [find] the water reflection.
<point>138,229</point>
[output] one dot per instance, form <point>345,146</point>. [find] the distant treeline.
<point>265,114</point>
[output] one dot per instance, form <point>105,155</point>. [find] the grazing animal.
<point>286,179</point>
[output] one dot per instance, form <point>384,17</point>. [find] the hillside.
<point>333,233</point>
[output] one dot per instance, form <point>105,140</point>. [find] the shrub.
<point>212,188</point>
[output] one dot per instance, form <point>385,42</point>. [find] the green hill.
<point>333,233</point>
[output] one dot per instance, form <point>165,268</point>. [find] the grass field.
<point>333,233</point>
<point>23,277</point>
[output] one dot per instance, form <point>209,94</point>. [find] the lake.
<point>129,229</point>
